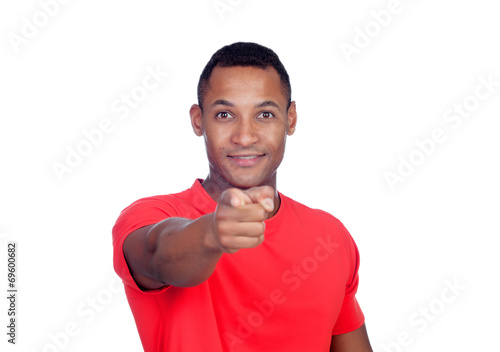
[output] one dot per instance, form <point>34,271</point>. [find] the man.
<point>231,264</point>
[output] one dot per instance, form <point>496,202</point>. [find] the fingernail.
<point>269,203</point>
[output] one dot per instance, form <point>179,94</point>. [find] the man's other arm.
<point>354,341</point>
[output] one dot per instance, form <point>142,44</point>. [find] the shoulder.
<point>303,211</point>
<point>168,204</point>
<point>316,221</point>
<point>150,210</point>
<point>156,201</point>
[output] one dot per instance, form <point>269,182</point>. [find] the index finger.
<point>234,197</point>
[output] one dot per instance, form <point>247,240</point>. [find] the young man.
<point>231,264</point>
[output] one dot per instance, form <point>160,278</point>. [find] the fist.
<point>238,221</point>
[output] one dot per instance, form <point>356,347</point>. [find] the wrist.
<point>209,239</point>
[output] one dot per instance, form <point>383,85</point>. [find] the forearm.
<point>183,253</point>
<point>175,251</point>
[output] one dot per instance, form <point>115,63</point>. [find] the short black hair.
<point>244,54</point>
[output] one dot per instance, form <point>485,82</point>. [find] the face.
<point>245,122</point>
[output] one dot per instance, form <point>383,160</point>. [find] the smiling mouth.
<point>246,161</point>
<point>245,157</point>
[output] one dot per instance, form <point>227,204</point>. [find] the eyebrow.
<point>222,102</point>
<point>260,105</point>
<point>267,103</point>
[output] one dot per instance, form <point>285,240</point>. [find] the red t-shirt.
<point>291,293</point>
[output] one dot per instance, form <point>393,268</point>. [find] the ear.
<point>196,115</point>
<point>292,118</point>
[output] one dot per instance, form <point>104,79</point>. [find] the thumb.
<point>263,195</point>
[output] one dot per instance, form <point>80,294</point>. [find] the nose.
<point>245,133</point>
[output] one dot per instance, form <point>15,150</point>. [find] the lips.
<point>245,156</point>
<point>246,160</point>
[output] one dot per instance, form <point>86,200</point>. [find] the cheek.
<point>214,142</point>
<point>276,140</point>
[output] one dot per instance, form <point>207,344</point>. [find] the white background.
<point>356,119</point>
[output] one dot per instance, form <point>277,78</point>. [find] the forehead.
<point>250,82</point>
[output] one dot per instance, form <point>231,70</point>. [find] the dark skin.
<point>244,121</point>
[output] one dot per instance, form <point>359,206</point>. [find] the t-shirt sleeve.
<point>350,317</point>
<point>144,212</point>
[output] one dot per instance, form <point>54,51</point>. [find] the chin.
<point>245,182</point>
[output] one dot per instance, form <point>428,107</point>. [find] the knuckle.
<point>221,227</point>
<point>257,241</point>
<point>260,239</point>
<point>225,242</point>
<point>262,213</point>
<point>268,189</point>
<point>257,229</point>
<point>228,191</point>
<point>227,196</point>
<point>221,213</point>
<point>262,227</point>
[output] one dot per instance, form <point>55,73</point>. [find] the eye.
<point>265,115</point>
<point>224,115</point>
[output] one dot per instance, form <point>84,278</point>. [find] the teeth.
<point>244,157</point>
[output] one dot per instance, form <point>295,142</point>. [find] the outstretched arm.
<point>183,252</point>
<point>172,252</point>
<point>354,341</point>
